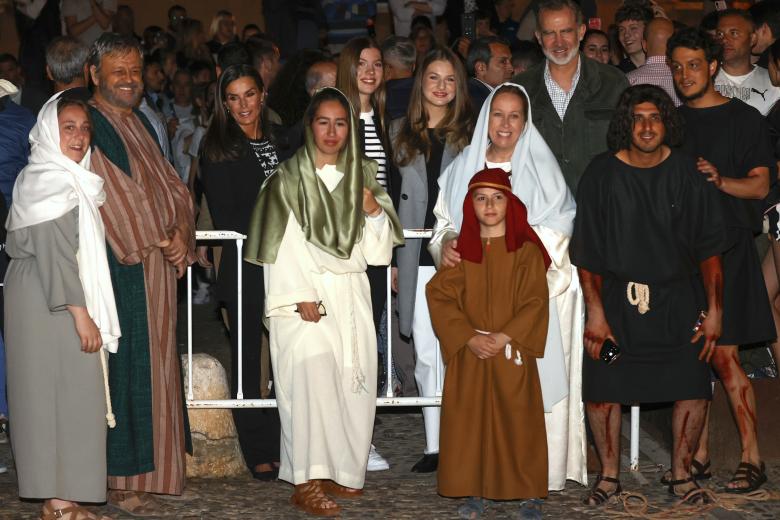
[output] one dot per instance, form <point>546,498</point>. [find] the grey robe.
<point>55,391</point>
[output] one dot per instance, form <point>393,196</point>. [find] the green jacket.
<point>582,134</point>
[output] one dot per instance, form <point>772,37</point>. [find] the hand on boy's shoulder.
<point>450,257</point>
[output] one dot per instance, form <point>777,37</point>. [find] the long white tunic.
<point>325,372</point>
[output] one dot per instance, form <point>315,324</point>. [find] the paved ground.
<point>395,494</point>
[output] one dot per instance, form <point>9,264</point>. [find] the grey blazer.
<point>412,205</point>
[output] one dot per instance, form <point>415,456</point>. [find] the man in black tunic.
<point>731,141</point>
<point>647,241</point>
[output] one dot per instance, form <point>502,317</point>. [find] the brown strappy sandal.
<point>754,476</point>
<point>695,496</point>
<point>311,499</point>
<point>134,503</point>
<point>598,496</point>
<point>338,491</point>
<point>70,513</point>
<point>699,471</point>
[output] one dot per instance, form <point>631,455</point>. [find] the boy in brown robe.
<point>490,313</point>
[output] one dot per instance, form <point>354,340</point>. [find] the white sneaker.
<point>376,462</point>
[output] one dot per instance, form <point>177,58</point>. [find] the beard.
<point>111,94</point>
<point>693,95</point>
<point>573,52</point>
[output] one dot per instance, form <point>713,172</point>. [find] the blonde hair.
<point>214,27</point>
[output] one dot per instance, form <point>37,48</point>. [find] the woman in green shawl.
<point>317,224</point>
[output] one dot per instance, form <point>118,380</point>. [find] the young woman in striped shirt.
<point>360,77</point>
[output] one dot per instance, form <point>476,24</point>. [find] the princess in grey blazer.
<point>437,126</point>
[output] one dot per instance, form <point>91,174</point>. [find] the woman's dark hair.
<point>620,133</point>
<point>224,140</point>
<point>326,94</point>
<point>288,95</point>
<point>65,101</point>
<point>695,39</point>
<point>593,32</point>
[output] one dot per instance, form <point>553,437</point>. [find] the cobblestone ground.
<point>394,494</point>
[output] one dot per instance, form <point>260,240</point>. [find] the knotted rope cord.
<point>358,377</point>
<point>638,294</point>
<point>110,419</point>
<point>636,505</point>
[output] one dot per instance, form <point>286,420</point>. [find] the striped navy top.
<point>373,147</point>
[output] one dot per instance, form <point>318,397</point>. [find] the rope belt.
<point>638,294</point>
<point>110,419</point>
<point>518,359</point>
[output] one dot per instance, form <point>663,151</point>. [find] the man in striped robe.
<point>149,226</point>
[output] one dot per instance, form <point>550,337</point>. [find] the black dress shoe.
<point>427,464</point>
<point>266,476</point>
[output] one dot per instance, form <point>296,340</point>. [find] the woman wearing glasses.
<point>318,222</point>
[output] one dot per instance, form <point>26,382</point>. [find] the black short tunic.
<point>735,137</point>
<point>651,226</point>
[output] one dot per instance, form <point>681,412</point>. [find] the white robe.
<point>325,372</point>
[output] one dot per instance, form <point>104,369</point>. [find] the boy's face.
<point>490,206</point>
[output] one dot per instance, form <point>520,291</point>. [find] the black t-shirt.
<point>265,152</point>
<point>735,138</point>
<point>647,225</point>
<point>433,170</point>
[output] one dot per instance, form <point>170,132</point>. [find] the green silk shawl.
<point>332,221</point>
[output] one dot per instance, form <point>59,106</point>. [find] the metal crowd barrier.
<point>387,400</point>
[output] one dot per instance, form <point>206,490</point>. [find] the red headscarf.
<point>518,230</point>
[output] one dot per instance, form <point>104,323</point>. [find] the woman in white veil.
<point>519,148</point>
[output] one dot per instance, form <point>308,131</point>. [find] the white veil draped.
<point>50,186</point>
<point>536,177</point>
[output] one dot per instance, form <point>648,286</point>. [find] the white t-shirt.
<point>754,88</point>
<point>82,10</point>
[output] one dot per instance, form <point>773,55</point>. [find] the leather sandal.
<point>134,503</point>
<point>70,513</point>
<point>335,490</point>
<point>699,471</point>
<point>310,498</point>
<point>598,496</point>
<point>694,497</point>
<point>747,472</point>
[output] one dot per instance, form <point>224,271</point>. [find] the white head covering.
<point>536,177</point>
<point>49,187</point>
<point>7,88</point>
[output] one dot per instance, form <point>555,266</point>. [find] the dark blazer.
<point>397,94</point>
<point>582,134</point>
<point>478,92</point>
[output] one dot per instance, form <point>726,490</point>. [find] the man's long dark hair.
<point>224,140</point>
<point>619,135</point>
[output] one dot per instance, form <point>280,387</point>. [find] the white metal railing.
<point>387,400</point>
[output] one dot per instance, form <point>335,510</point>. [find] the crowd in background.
<point>228,106</point>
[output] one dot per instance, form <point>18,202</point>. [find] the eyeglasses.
<point>320,309</point>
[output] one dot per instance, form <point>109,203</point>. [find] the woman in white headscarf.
<point>506,138</point>
<point>62,313</point>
